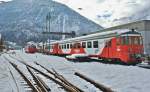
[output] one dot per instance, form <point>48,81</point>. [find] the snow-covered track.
<point>59,79</point>
<point>30,83</point>
<point>66,87</point>
<point>100,86</point>
<point>57,75</point>
<point>43,86</point>
<point>37,85</point>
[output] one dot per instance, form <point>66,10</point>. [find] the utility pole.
<point>49,31</point>
<point>46,29</point>
<point>43,40</point>
<point>49,22</point>
<point>65,17</point>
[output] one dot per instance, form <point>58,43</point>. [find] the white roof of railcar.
<point>99,35</point>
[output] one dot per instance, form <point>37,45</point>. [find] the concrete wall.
<point>147,37</point>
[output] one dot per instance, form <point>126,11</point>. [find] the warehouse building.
<point>141,26</point>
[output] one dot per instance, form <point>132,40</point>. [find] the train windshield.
<point>130,40</point>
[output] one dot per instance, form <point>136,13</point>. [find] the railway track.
<point>38,85</point>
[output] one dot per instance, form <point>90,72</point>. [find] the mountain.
<point>23,20</point>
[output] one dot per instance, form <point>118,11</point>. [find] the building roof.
<point>142,25</point>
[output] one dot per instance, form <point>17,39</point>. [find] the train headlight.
<point>118,49</point>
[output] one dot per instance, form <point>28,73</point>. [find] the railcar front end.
<point>126,48</point>
<point>30,49</point>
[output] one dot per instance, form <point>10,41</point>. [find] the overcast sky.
<point>110,12</point>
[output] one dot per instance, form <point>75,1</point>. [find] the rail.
<point>61,78</point>
<point>31,85</point>
<point>100,86</point>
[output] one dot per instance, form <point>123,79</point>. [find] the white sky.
<point>6,0</point>
<point>107,12</point>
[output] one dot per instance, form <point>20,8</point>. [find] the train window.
<point>109,43</point>
<point>126,40</point>
<point>74,46</point>
<point>70,45</point>
<point>118,41</point>
<point>141,40</point>
<point>89,44</point>
<point>130,40</point>
<point>123,40</point>
<point>136,40</point>
<point>78,45</point>
<point>95,44</point>
<point>83,44</point>
<point>62,47</point>
<point>67,46</point>
<point>48,47</point>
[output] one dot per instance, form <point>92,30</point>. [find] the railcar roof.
<point>132,32</point>
<point>100,35</point>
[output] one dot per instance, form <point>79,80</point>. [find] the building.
<point>141,26</point>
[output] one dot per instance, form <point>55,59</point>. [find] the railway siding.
<point>57,77</point>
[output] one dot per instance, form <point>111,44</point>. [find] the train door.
<point>56,49</point>
<point>108,49</point>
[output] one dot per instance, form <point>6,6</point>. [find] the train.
<point>1,44</point>
<point>30,48</point>
<point>118,46</point>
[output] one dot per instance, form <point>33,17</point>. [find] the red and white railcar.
<point>125,46</point>
<point>30,48</point>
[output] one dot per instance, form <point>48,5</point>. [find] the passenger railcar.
<point>30,48</point>
<point>124,46</point>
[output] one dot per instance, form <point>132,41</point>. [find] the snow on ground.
<point>122,78</point>
<point>4,77</point>
<point>118,77</point>
<point>8,83</point>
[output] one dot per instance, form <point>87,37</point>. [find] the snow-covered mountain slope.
<point>111,12</point>
<point>24,19</point>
